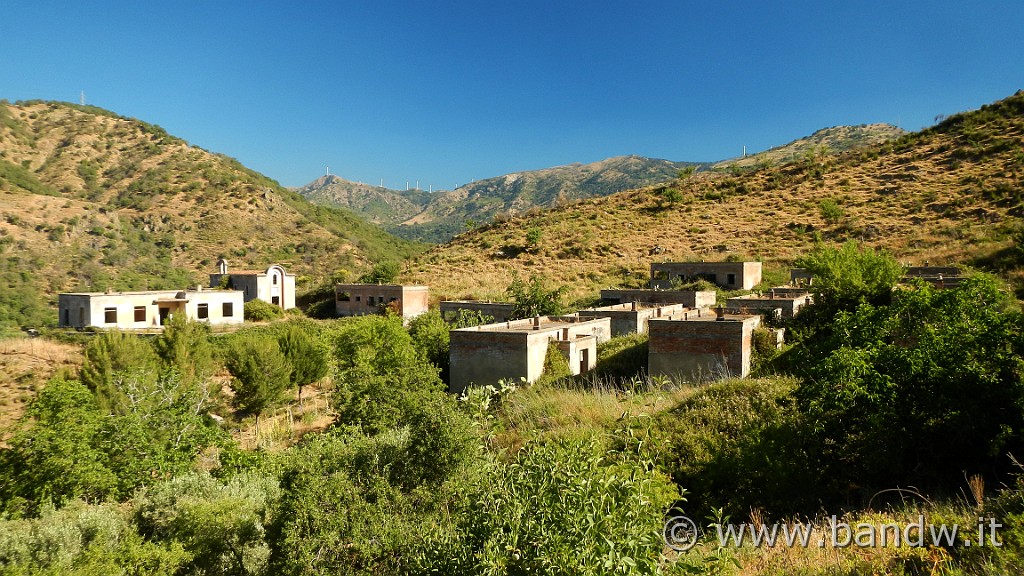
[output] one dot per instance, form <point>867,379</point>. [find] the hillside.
<point>437,217</point>
<point>91,200</point>
<point>830,140</point>
<point>951,193</point>
<point>374,203</point>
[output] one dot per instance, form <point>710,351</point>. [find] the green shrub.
<point>260,311</point>
<point>831,212</point>
<point>622,357</point>
<point>533,298</point>
<point>736,445</point>
<point>560,507</point>
<point>222,526</point>
<point>382,273</point>
<point>920,391</point>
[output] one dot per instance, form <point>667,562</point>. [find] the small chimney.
<point>199,287</point>
<point>634,306</point>
<point>771,294</point>
<point>720,313</point>
<point>536,321</point>
<point>942,283</point>
<point>110,290</point>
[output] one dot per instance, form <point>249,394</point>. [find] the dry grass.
<point>544,410</point>
<point>287,424</point>
<point>822,556</point>
<point>207,207</point>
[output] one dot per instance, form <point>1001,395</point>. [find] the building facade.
<point>499,311</point>
<point>148,310</point>
<point>273,285</point>
<point>632,317</point>
<point>688,298</point>
<point>789,304</point>
<point>362,299</point>
<point>483,355</point>
<point>701,347</point>
<point>728,275</point>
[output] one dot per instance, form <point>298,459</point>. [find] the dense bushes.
<point>259,311</point>
<point>738,445</point>
<point>919,391</point>
<point>560,507</point>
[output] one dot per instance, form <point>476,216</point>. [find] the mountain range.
<point>949,194</point>
<point>438,216</point>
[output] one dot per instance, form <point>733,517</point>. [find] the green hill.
<point>91,200</point>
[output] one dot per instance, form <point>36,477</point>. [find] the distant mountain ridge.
<point>439,216</point>
<point>435,217</point>
<point>375,203</point>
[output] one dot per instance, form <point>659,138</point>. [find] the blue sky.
<point>450,92</point>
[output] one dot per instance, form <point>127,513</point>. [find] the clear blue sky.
<point>450,92</point>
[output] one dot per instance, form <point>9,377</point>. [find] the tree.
<point>533,236</point>
<point>849,276</point>
<point>55,454</point>
<point>184,346</point>
<point>307,359</point>
<point>380,373</point>
<point>920,390</point>
<point>431,337</point>
<point>108,353</point>
<point>261,373</point>
<point>533,298</point>
<point>831,212</point>
<point>385,272</point>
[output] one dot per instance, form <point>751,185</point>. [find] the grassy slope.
<point>835,139</point>
<point>90,200</point>
<point>948,194</point>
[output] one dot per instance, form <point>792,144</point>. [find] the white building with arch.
<point>272,285</point>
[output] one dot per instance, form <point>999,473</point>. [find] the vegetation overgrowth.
<point>899,403</point>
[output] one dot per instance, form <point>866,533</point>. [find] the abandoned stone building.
<point>688,298</point>
<point>632,317</point>
<point>273,285</point>
<point>728,275</point>
<point>941,277</point>
<point>938,276</point>
<point>362,299</point>
<point>499,311</point>
<point>800,277</point>
<point>483,355</point>
<point>149,309</point>
<point>701,345</point>
<point>786,302</point>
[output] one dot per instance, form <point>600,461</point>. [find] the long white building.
<point>149,309</point>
